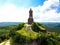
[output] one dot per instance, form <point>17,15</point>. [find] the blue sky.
<point>25,3</point>
<point>17,10</point>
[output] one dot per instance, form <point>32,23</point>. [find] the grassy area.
<point>42,28</point>
<point>28,34</point>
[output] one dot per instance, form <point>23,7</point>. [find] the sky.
<point>18,10</point>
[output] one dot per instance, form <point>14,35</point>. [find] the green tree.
<point>20,26</point>
<point>47,39</point>
<point>35,27</point>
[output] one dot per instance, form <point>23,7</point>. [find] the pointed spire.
<point>30,9</point>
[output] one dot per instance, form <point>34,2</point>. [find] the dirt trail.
<point>2,43</point>
<point>28,27</point>
<point>6,43</point>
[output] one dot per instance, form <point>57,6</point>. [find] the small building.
<point>30,19</point>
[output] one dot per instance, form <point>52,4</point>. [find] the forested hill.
<point>16,23</point>
<point>50,26</point>
<point>18,35</point>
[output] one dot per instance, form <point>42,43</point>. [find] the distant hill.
<point>56,24</point>
<point>8,23</point>
<point>52,26</point>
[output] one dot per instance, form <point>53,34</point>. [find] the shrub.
<point>47,39</point>
<point>20,26</point>
<point>20,39</point>
<point>35,27</point>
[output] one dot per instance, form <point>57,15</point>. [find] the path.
<point>5,43</point>
<point>8,42</point>
<point>28,27</point>
<point>2,43</point>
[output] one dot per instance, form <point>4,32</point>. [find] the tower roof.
<point>30,9</point>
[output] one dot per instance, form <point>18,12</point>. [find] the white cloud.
<point>47,12</point>
<point>10,13</point>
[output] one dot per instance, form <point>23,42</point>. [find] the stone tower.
<point>30,19</point>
